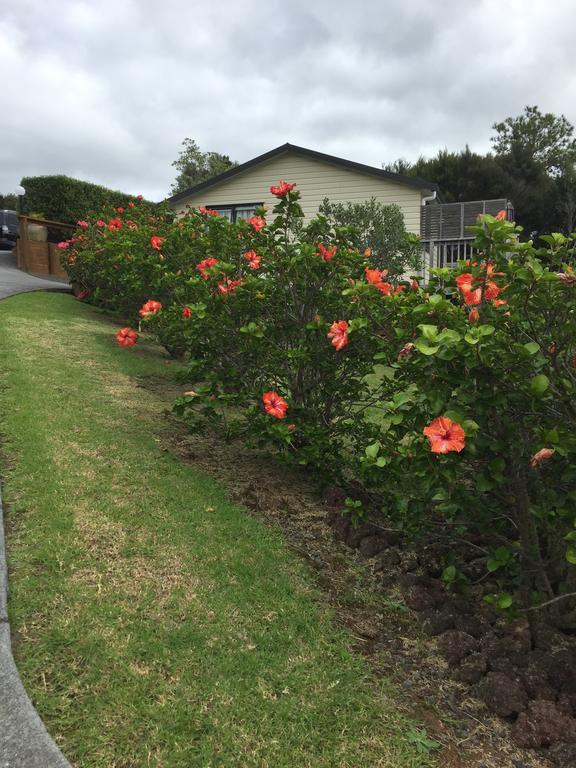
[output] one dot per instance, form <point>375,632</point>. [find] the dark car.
<point>9,229</point>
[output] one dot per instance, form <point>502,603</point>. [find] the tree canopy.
<point>195,166</point>
<point>532,164</point>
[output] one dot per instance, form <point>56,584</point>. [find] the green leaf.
<point>531,347</point>
<point>425,347</point>
<point>449,573</point>
<point>504,600</point>
<point>571,555</point>
<point>492,564</point>
<point>429,332</point>
<point>486,330</point>
<point>471,338</point>
<point>372,450</point>
<point>539,384</point>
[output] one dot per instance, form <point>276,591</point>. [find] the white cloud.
<point>108,91</point>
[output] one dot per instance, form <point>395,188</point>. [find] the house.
<point>238,191</point>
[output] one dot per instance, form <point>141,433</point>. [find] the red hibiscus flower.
<point>126,337</point>
<point>206,264</point>
<point>339,334</point>
<point>208,211</point>
<point>472,297</point>
<point>131,204</point>
<point>542,455</point>
<point>445,435</point>
<point>139,197</point>
<point>156,242</point>
<point>465,282</point>
<point>326,253</point>
<point>63,245</point>
<point>228,286</point>
<point>253,259</point>
<point>282,189</point>
<point>120,210</point>
<point>500,303</point>
<point>101,223</point>
<point>257,223</point>
<point>374,276</point>
<point>275,405</point>
<point>400,289</point>
<point>114,224</point>
<point>186,312</point>
<point>83,224</point>
<point>501,215</point>
<point>150,308</point>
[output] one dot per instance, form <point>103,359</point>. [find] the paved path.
<point>13,280</point>
<point>24,742</point>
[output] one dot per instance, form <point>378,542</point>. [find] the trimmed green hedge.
<point>62,198</point>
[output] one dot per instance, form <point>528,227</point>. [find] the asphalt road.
<point>13,280</point>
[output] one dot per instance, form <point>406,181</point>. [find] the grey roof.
<point>399,178</point>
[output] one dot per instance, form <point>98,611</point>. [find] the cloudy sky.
<point>106,90</point>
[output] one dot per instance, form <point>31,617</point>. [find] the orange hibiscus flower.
<point>445,435</point>
<point>275,405</point>
<point>339,334</point>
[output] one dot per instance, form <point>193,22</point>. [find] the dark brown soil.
<point>471,677</point>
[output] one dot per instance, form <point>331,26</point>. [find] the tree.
<point>195,166</point>
<point>545,138</point>
<point>381,229</point>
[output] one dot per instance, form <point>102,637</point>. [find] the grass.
<point>157,624</point>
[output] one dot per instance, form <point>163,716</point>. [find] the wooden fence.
<point>40,257</point>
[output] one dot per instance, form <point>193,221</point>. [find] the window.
<point>235,212</point>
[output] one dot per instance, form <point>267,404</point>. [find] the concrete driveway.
<point>13,280</point>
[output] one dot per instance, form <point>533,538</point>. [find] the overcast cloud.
<point>106,90</point>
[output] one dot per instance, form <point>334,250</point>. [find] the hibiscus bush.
<point>481,429</point>
<point>448,404</point>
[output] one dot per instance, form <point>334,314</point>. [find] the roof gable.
<point>398,178</point>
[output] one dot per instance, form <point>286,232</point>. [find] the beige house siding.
<point>316,180</point>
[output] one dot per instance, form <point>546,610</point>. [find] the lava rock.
<point>567,703</point>
<point>472,625</point>
<point>437,622</point>
<point>386,560</point>
<point>502,694</point>
<point>420,598</point>
<point>561,668</point>
<point>371,545</point>
<point>471,670</point>
<point>543,724</point>
<point>355,535</point>
<point>535,681</point>
<point>455,646</point>
<point>563,754</point>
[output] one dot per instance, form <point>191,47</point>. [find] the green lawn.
<point>156,624</point>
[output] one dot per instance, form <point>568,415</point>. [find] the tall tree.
<point>195,166</point>
<point>545,138</point>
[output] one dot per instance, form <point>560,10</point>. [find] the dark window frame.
<point>233,207</point>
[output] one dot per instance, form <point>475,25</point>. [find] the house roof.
<point>399,178</point>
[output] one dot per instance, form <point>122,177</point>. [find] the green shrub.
<point>68,200</point>
<point>381,229</point>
